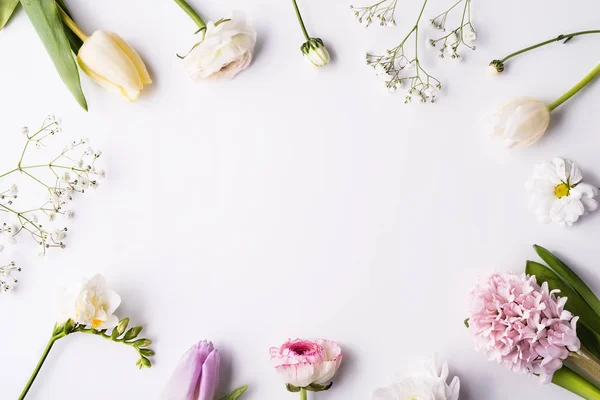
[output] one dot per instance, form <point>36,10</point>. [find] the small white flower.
<point>90,303</point>
<point>428,384</point>
<point>66,177</point>
<point>558,193</point>
<point>469,35</point>
<point>14,190</point>
<point>52,217</point>
<point>58,235</point>
<point>25,131</point>
<point>69,214</point>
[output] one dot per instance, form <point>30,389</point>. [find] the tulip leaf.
<point>74,40</point>
<point>569,276</point>
<point>7,9</point>
<point>47,22</point>
<point>236,394</point>
<point>575,304</point>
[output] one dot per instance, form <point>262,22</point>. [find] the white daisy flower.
<point>431,383</point>
<point>558,193</point>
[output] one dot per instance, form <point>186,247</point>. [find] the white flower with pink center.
<point>302,363</point>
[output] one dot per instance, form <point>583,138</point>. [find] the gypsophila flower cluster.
<point>464,34</point>
<point>72,172</point>
<point>7,280</point>
<point>383,12</point>
<point>397,69</point>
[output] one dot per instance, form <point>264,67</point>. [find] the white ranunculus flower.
<point>558,193</point>
<point>225,50</point>
<point>520,122</point>
<point>113,64</point>
<point>90,303</point>
<point>428,384</point>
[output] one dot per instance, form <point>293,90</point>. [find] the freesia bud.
<point>196,377</point>
<point>113,64</point>
<point>496,67</point>
<point>521,122</point>
<point>315,51</point>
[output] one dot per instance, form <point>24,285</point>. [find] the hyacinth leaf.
<point>46,20</point>
<point>74,40</point>
<point>570,277</point>
<point>575,383</point>
<point>575,304</point>
<point>236,394</point>
<point>589,338</point>
<point>7,9</point>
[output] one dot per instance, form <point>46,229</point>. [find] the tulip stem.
<point>71,24</point>
<point>571,92</point>
<point>556,39</point>
<point>303,394</point>
<point>301,26</point>
<point>191,13</point>
<point>38,367</point>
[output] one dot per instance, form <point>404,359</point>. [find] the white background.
<point>295,202</point>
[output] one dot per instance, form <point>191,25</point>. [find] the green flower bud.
<point>315,51</point>
<point>122,326</point>
<point>496,67</point>
<point>142,343</point>
<point>133,333</point>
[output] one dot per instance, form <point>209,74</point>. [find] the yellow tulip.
<point>114,64</point>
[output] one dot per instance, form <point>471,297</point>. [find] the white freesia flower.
<point>90,303</point>
<point>558,193</point>
<point>225,50</point>
<point>113,64</point>
<point>520,122</point>
<point>428,384</point>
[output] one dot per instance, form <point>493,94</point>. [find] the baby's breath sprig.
<point>396,68</point>
<point>463,35</point>
<point>72,171</point>
<point>7,280</point>
<point>382,11</point>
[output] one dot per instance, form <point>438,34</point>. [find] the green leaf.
<point>589,338</point>
<point>236,394</point>
<point>466,322</point>
<point>569,380</point>
<point>49,26</point>
<point>74,40</point>
<point>570,277</point>
<point>7,9</point>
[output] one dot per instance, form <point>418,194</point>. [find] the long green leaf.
<point>49,26</point>
<point>74,40</point>
<point>7,8</point>
<point>575,304</point>
<point>570,277</point>
<point>569,380</point>
<point>236,393</point>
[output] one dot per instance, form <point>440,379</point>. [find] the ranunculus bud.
<point>303,364</point>
<point>315,51</point>
<point>496,67</point>
<point>196,377</point>
<point>113,64</point>
<point>520,122</point>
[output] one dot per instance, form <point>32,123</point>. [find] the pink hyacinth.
<point>522,325</point>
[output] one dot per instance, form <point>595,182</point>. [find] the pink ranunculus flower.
<point>522,325</point>
<point>302,363</point>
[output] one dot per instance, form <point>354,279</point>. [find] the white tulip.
<point>113,64</point>
<point>520,122</point>
<point>315,51</point>
<point>226,49</point>
<point>90,303</point>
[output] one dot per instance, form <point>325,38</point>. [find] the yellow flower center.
<point>562,190</point>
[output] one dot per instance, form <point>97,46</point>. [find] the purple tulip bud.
<point>196,377</point>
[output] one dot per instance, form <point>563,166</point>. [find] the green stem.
<point>580,85</point>
<point>303,395</point>
<point>556,39</point>
<point>191,13</point>
<point>569,380</point>
<point>39,364</point>
<point>300,20</point>
<point>71,24</point>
